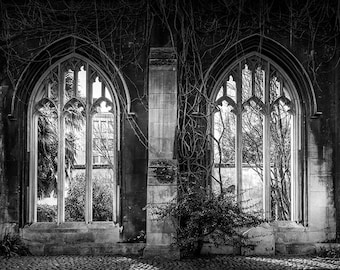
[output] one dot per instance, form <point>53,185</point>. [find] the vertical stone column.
<point>3,186</point>
<point>162,176</point>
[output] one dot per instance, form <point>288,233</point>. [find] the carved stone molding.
<point>162,56</point>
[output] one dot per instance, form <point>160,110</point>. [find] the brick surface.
<point>119,262</point>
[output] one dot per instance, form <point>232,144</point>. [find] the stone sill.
<point>71,232</point>
<point>70,226</point>
<point>284,226</point>
<point>87,249</point>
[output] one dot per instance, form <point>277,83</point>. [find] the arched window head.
<point>74,139</point>
<point>256,130</point>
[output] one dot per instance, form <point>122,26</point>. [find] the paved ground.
<point>122,263</point>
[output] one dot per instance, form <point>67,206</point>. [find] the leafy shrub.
<point>75,201</point>
<point>102,202</point>
<point>199,216</point>
<point>12,245</point>
<point>332,252</point>
<point>46,213</point>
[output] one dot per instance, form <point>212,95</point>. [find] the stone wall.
<point>77,238</point>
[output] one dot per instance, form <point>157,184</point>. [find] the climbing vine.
<point>202,31</point>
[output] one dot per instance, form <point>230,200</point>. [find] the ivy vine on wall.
<point>165,171</point>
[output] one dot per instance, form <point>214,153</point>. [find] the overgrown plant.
<point>332,252</point>
<point>12,245</point>
<point>75,202</point>
<point>47,213</point>
<point>199,216</point>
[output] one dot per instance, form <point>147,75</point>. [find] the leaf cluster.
<point>200,217</point>
<point>12,245</point>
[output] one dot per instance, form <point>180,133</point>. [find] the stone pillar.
<point>162,176</point>
<point>4,225</point>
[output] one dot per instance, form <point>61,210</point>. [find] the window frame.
<point>32,138</point>
<point>298,188</point>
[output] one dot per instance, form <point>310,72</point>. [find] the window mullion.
<point>253,74</point>
<point>295,184</point>
<point>115,182</point>
<point>75,81</point>
<point>266,147</point>
<point>117,169</point>
<point>61,147</point>
<point>34,167</point>
<point>238,140</point>
<point>89,146</point>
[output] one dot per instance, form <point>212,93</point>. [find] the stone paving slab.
<point>129,263</point>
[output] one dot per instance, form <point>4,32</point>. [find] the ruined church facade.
<point>106,111</point>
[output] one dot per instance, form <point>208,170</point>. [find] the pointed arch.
<point>53,79</point>
<point>58,50</point>
<point>272,95</point>
<point>278,54</point>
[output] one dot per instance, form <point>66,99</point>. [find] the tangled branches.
<point>200,30</point>
<point>118,29</point>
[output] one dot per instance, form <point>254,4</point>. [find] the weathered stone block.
<point>162,130</point>
<point>163,101</point>
<point>159,226</point>
<point>162,116</point>
<point>317,216</point>
<point>161,148</point>
<point>280,248</point>
<point>320,199</point>
<point>69,238</point>
<point>289,232</point>
<point>74,237</point>
<point>321,183</point>
<point>162,80</point>
<point>161,193</point>
<point>259,241</point>
<point>319,167</point>
<point>159,238</point>
<point>317,236</point>
<point>300,248</point>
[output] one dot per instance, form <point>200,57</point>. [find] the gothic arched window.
<point>256,129</point>
<point>73,144</point>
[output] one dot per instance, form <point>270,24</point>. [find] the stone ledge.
<point>39,249</point>
<point>259,240</point>
<point>71,238</point>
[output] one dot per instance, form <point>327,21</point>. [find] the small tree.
<point>201,216</point>
<point>48,146</point>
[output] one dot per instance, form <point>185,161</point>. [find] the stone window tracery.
<point>73,138</point>
<point>256,134</point>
